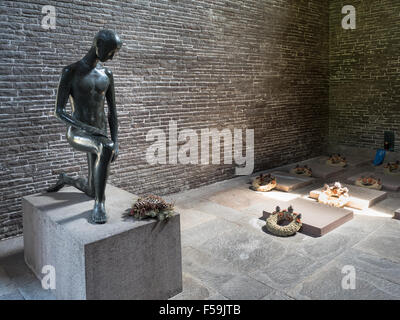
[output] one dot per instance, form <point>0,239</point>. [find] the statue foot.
<point>99,213</point>
<point>59,184</point>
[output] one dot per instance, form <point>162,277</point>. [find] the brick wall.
<point>252,64</point>
<point>364,74</point>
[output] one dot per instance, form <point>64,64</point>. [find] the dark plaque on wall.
<point>389,140</point>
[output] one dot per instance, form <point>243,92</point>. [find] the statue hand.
<point>95,131</point>
<point>116,151</point>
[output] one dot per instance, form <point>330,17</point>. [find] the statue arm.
<point>112,113</point>
<point>63,92</point>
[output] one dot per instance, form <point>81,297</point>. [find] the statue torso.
<point>88,95</point>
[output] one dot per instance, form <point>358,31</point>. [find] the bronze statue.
<point>87,83</point>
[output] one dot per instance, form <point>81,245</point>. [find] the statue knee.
<point>107,150</point>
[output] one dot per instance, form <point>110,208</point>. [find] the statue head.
<point>107,43</point>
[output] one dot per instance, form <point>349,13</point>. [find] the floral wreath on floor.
<point>369,182</point>
<point>304,171</point>
<point>264,183</point>
<point>152,206</point>
<point>336,195</point>
<point>392,168</point>
<point>272,222</point>
<point>336,160</point>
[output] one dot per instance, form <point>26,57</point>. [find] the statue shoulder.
<point>108,72</point>
<point>66,77</point>
<point>69,70</point>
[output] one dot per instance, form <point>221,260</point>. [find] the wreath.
<point>304,171</point>
<point>369,182</point>
<point>272,222</point>
<point>264,183</point>
<point>152,206</point>
<point>392,168</point>
<point>336,195</point>
<point>336,160</point>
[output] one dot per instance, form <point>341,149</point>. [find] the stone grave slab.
<point>288,182</point>
<point>352,160</point>
<point>356,161</point>
<point>389,182</point>
<point>320,169</point>
<point>317,219</point>
<point>239,198</point>
<point>360,198</point>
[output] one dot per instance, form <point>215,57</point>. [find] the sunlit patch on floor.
<point>280,196</point>
<point>372,213</point>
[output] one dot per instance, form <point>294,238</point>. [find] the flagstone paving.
<point>227,253</point>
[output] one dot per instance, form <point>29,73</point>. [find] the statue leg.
<point>90,181</point>
<point>59,184</point>
<point>106,151</point>
<point>100,151</point>
<point>77,182</point>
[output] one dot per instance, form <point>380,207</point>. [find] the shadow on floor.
<point>17,281</point>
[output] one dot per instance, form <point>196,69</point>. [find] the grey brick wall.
<point>252,64</point>
<point>364,74</point>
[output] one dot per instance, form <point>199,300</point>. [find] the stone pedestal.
<point>122,259</point>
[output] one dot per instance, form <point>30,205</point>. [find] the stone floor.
<point>228,254</point>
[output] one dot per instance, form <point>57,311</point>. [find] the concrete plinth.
<point>360,198</point>
<point>288,182</point>
<point>317,219</point>
<point>122,259</point>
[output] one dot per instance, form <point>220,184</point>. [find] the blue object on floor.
<point>379,157</point>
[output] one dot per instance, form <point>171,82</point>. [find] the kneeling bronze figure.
<point>87,84</point>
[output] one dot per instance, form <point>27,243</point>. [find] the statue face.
<point>105,54</point>
<point>105,50</point>
<point>108,55</point>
